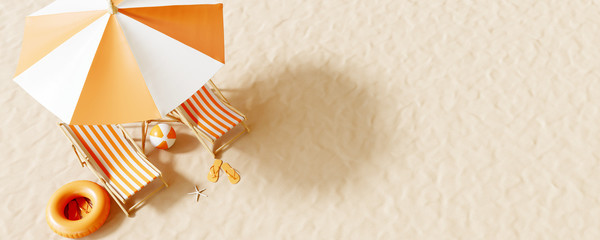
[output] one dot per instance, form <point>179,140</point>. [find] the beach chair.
<point>113,157</point>
<point>209,115</point>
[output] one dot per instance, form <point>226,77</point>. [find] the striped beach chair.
<point>114,158</point>
<point>209,115</point>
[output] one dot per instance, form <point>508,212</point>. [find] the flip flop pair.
<point>213,172</point>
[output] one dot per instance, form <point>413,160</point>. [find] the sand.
<point>388,119</point>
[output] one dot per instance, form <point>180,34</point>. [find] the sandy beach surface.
<point>386,119</point>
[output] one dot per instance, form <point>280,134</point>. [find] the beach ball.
<point>162,136</point>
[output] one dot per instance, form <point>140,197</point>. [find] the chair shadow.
<point>114,220</point>
<point>184,143</point>
<point>311,128</point>
<point>179,185</point>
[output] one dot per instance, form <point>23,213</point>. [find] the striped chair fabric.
<point>125,170</point>
<point>212,116</point>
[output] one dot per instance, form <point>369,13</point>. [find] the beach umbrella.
<point>107,62</point>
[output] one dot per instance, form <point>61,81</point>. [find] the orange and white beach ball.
<point>162,136</point>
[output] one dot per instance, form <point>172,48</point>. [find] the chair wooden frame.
<point>84,159</point>
<point>178,115</point>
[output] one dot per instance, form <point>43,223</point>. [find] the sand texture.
<point>386,119</point>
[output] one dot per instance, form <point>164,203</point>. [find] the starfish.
<point>198,193</point>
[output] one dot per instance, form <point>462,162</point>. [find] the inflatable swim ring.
<point>78,209</point>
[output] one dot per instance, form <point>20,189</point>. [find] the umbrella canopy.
<point>103,62</point>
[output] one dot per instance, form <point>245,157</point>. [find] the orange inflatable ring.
<point>100,207</point>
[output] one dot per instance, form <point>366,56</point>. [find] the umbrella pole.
<point>111,7</point>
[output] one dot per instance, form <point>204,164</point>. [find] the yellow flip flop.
<point>234,177</point>
<point>213,173</point>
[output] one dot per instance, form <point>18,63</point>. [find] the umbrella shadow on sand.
<point>312,129</point>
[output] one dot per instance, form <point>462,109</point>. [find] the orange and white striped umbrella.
<point>107,62</point>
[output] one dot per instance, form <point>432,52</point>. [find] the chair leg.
<point>144,131</point>
<point>202,141</point>
<point>119,203</point>
<point>165,185</point>
<point>123,209</point>
<point>145,198</point>
<point>246,126</point>
<point>206,146</point>
<point>228,143</point>
<point>163,180</point>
